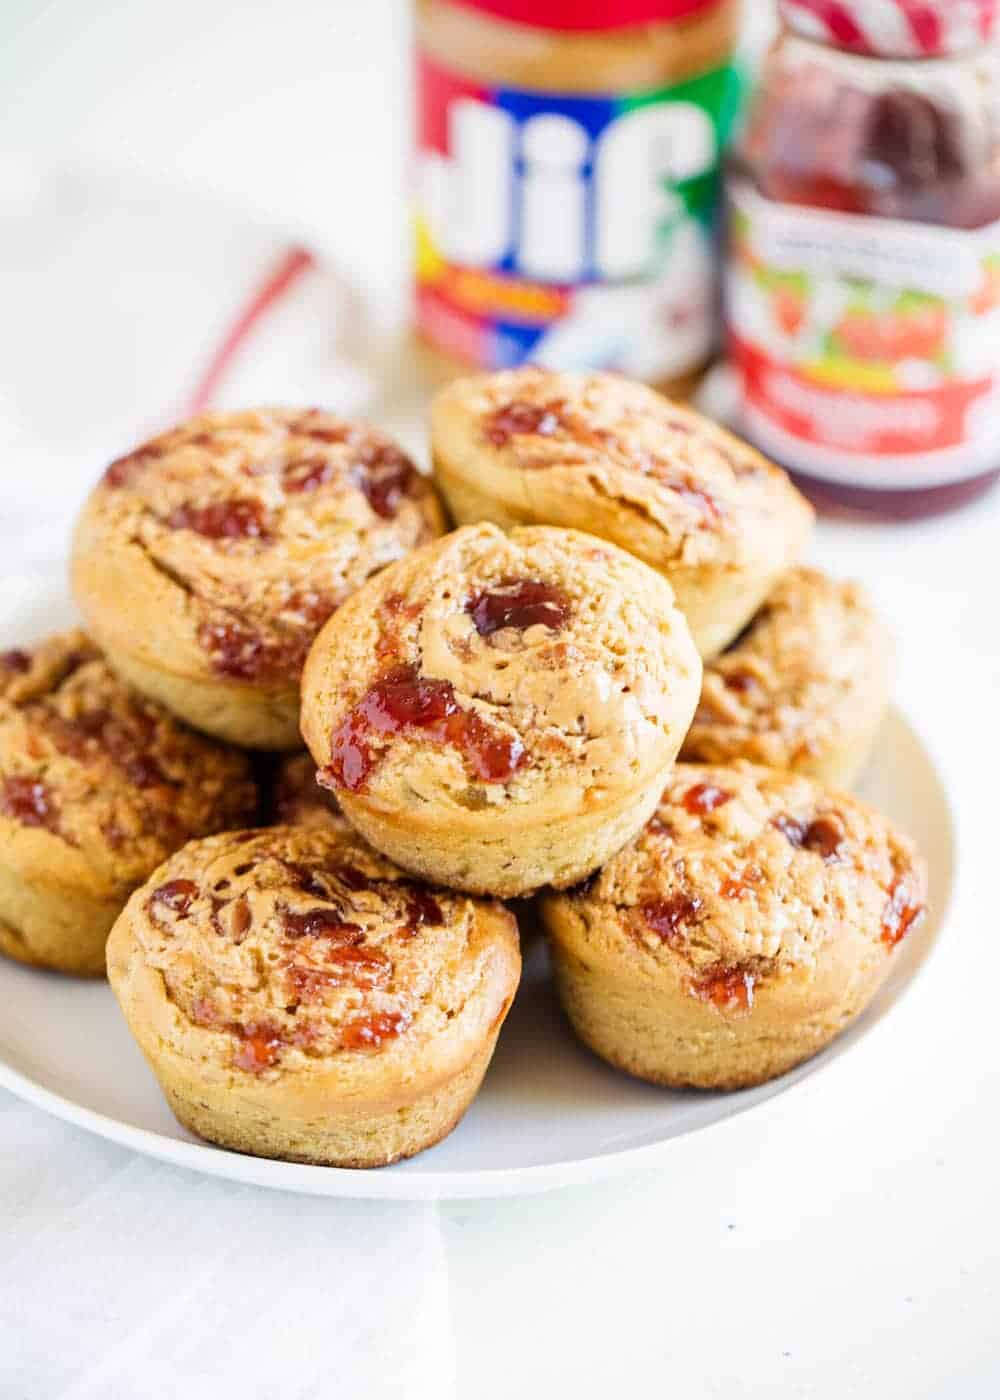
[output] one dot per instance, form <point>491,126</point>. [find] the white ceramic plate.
<point>549,1113</point>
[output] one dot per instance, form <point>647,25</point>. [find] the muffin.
<point>97,787</point>
<point>602,454</point>
<point>752,920</point>
<point>298,800</point>
<point>497,712</point>
<point>297,997</point>
<point>804,687</point>
<point>206,561</point>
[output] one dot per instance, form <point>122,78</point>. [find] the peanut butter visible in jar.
<point>567,182</point>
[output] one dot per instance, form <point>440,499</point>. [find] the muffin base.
<point>239,713</point>
<point>560,851</point>
<point>841,765</point>
<point>235,1122</point>
<point>43,925</point>
<point>654,1030</point>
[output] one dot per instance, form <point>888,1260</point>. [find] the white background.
<point>837,1243</point>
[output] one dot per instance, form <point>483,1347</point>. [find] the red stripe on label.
<point>588,14</point>
<point>854,421</point>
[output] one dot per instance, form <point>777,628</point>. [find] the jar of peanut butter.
<point>567,181</point>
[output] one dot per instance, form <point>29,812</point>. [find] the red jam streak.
<point>422,908</point>
<point>222,520</point>
<point>737,886</point>
<point>406,702</point>
<point>16,660</point>
<point>240,652</point>
<point>385,476</point>
<point>308,474</point>
<point>312,607</point>
<point>311,425</point>
<point>667,917</point>
<point>176,895</point>
<point>704,798</point>
<point>121,470</point>
<point>688,491</point>
<point>369,1032</point>
<point>124,742</point>
<point>352,878</point>
<point>28,802</point>
<point>519,603</point>
<point>520,419</point>
<point>546,420</point>
<point>349,965</point>
<point>740,681</point>
<point>901,913</point>
<point>727,988</point>
<point>379,470</point>
<point>824,836</point>
<point>261,1044</point>
<point>320,923</point>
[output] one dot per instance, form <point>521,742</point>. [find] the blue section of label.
<point>570,230</point>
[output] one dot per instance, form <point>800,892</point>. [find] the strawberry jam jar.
<point>863,284</point>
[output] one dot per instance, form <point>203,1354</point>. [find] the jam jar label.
<point>571,231</point>
<point>868,348</point>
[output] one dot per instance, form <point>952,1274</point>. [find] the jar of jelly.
<point>863,285</point>
<point>567,182</point>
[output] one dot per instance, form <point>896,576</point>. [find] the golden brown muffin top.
<point>297,942</point>
<point>488,666</point>
<point>744,872</point>
<point>704,488</point>
<point>87,760</point>
<point>266,520</point>
<point>778,694</point>
<point>297,798</point>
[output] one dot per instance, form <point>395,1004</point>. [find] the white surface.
<point>839,1243</point>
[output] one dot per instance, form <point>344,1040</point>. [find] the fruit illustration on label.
<point>789,307</point>
<point>906,332</point>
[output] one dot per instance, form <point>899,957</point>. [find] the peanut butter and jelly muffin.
<point>751,921</point>
<point>296,996</point>
<point>297,799</point>
<point>599,453</point>
<point>97,786</point>
<point>206,560</point>
<point>499,712</point>
<point>804,687</point>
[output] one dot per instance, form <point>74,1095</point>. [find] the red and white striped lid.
<point>895,28</point>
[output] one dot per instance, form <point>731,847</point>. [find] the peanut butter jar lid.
<point>582,15</point>
<point>895,28</point>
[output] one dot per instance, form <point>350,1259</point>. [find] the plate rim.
<point>491,1182</point>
